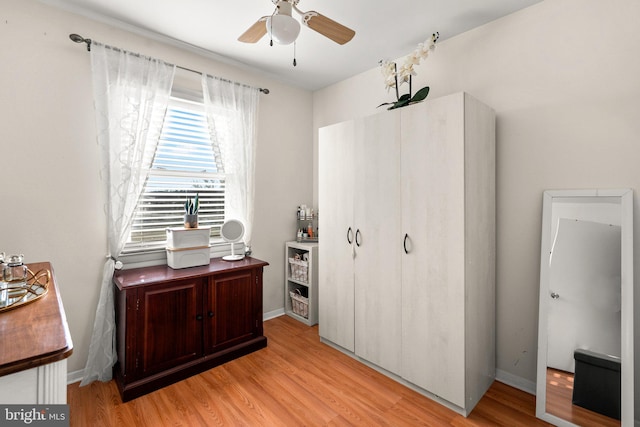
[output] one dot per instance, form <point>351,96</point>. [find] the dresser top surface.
<point>163,273</point>
<point>37,333</point>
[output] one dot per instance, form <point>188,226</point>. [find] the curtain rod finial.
<point>79,39</point>
<point>76,38</point>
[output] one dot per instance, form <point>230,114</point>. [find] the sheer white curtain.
<point>131,94</point>
<point>232,114</point>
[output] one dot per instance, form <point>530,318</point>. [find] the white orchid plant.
<point>393,77</point>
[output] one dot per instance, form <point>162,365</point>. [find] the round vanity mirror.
<point>232,232</point>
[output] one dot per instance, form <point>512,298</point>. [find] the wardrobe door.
<point>378,240</point>
<point>433,221</point>
<point>335,206</point>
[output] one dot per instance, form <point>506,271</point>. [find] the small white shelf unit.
<point>302,277</point>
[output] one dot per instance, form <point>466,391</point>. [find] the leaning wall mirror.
<point>232,232</point>
<point>585,332</point>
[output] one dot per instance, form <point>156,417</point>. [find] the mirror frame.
<point>626,269</point>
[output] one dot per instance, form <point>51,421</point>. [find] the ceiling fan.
<point>284,29</point>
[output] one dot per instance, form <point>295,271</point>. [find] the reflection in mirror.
<point>585,334</point>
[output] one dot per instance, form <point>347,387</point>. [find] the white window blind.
<point>186,163</point>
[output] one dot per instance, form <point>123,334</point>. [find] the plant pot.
<point>191,221</point>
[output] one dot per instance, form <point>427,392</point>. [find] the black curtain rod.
<point>79,39</point>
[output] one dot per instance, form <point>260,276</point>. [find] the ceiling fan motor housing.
<point>281,26</point>
<point>293,2</point>
<point>284,29</point>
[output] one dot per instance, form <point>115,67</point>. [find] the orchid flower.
<point>394,77</point>
<point>406,71</point>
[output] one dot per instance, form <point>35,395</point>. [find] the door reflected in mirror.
<point>586,309</point>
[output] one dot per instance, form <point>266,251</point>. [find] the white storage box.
<point>187,257</point>
<point>180,237</point>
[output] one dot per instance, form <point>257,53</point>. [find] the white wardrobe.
<point>407,261</point>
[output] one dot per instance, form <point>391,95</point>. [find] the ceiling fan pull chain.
<point>294,54</point>
<point>271,25</point>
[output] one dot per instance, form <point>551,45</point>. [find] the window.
<point>185,163</point>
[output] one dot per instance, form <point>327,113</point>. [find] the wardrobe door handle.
<point>350,235</point>
<point>404,243</point>
<point>357,239</point>
<point>210,314</point>
<point>199,317</point>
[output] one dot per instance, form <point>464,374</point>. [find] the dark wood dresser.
<point>34,346</point>
<point>172,324</point>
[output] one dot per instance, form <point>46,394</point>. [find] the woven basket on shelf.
<point>299,304</point>
<point>299,270</point>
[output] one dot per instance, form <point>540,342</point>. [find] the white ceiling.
<point>384,30</point>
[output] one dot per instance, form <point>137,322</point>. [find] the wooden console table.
<point>172,324</point>
<point>35,346</point>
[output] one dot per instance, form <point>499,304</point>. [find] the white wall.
<point>51,193</point>
<point>562,77</point>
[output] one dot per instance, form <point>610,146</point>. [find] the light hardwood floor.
<point>295,381</point>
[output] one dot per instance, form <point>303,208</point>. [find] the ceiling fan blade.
<point>255,32</point>
<point>327,27</point>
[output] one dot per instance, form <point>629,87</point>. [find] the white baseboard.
<point>76,376</point>
<point>273,314</point>
<point>516,381</point>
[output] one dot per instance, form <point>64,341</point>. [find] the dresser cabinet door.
<point>229,310</point>
<point>169,325</point>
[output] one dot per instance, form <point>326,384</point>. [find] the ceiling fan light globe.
<point>283,29</point>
